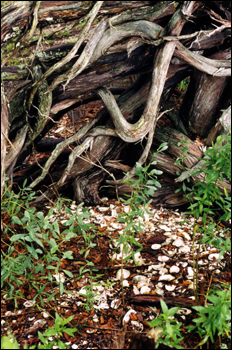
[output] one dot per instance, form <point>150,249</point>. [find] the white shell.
<point>138,278</point>
<point>163,258</point>
<point>125,283</point>
<point>159,291</point>
<point>190,272</point>
<point>184,311</point>
<point>137,325</point>
<point>156,246</point>
<point>166,278</point>
<point>155,267</point>
<point>29,303</point>
<point>142,284</point>
<point>155,333</point>
<point>178,242</point>
<point>174,269</point>
<point>135,290</point>
<point>145,290</point>
<point>170,288</point>
<point>127,317</point>
<point>184,249</point>
<point>163,271</point>
<point>115,303</point>
<point>214,256</point>
<point>164,227</point>
<point>124,273</point>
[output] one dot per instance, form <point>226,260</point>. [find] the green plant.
<point>143,188</point>
<point>89,294</point>
<point>9,342</point>
<point>214,318</point>
<point>40,238</point>
<point>205,198</point>
<point>167,328</point>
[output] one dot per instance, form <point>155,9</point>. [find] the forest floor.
<point>110,312</point>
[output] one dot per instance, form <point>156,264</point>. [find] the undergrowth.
<point>32,249</point>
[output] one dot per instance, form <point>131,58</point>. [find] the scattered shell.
<point>138,278</point>
<point>127,316</point>
<point>125,283</point>
<point>170,288</point>
<point>145,290</point>
<point>95,318</point>
<point>186,235</point>
<point>29,303</point>
<point>155,267</point>
<point>190,272</point>
<point>165,228</point>
<point>155,333</point>
<point>142,284</point>
<point>160,285</point>
<point>184,249</point>
<point>103,209</point>
<point>156,246</point>
<point>184,311</point>
<point>135,290</point>
<point>137,325</point>
<point>178,242</point>
<point>124,273</point>
<point>169,253</point>
<point>115,303</point>
<point>213,256</point>
<point>138,258</point>
<point>174,269</point>
<point>59,277</point>
<point>166,278</point>
<point>163,270</point>
<point>163,258</point>
<point>159,291</point>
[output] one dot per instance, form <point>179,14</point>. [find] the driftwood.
<point>154,47</point>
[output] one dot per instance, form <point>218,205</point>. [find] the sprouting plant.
<point>166,327</point>
<point>143,187</point>
<point>9,342</point>
<point>89,294</point>
<point>184,145</point>
<point>215,317</point>
<point>57,332</point>
<point>183,86</point>
<point>42,240</point>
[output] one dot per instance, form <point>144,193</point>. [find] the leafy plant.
<point>204,197</point>
<point>167,328</point>
<point>40,238</point>
<point>214,318</point>
<point>143,188</point>
<point>9,342</point>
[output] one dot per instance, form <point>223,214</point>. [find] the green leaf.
<point>16,220</point>
<point>164,306</point>
<point>68,255</point>
<point>70,331</point>
<point>8,342</point>
<point>68,273</point>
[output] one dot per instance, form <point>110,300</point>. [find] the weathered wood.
<point>4,134</point>
<point>203,99</point>
<point>112,40</point>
